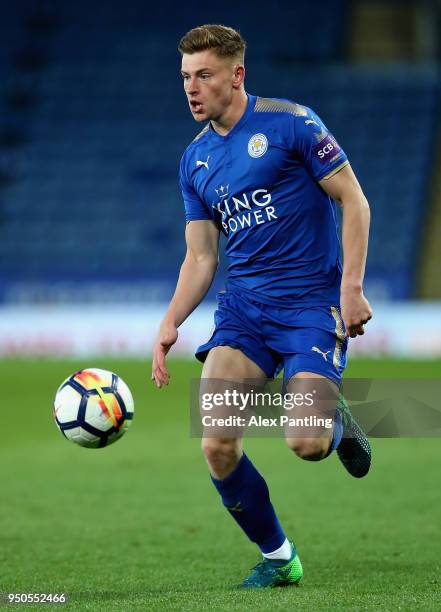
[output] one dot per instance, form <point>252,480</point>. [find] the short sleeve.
<point>317,147</point>
<point>195,209</point>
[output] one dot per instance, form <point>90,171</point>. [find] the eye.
<point>205,76</point>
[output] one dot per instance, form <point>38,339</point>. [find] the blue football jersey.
<point>259,184</point>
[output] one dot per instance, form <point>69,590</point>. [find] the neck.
<point>232,114</point>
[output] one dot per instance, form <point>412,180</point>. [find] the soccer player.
<point>267,174</point>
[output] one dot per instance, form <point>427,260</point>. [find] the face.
<point>209,83</point>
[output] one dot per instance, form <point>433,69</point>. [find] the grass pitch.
<point>138,525</point>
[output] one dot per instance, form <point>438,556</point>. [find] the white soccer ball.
<point>93,408</point>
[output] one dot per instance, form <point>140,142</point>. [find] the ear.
<point>238,75</point>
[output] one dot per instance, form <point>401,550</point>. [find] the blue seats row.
<point>96,186</point>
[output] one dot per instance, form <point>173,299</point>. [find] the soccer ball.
<point>93,408</point>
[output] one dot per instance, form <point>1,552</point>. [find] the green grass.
<point>138,526</point>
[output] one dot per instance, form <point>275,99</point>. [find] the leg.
<point>243,490</point>
<point>314,347</point>
<point>224,364</point>
<point>345,434</point>
<point>313,442</point>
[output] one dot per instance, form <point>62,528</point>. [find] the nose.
<point>190,86</point>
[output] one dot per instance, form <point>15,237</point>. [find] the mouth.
<point>195,106</point>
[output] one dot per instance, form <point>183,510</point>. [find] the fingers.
<point>355,327</point>
<point>160,373</point>
<point>352,331</point>
<point>356,312</point>
<point>167,336</point>
<point>160,376</point>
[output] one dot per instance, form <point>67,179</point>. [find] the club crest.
<point>257,145</point>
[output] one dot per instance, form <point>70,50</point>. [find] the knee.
<point>310,449</point>
<point>222,455</point>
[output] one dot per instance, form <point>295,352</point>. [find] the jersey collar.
<point>238,126</point>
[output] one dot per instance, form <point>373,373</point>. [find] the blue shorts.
<point>294,339</point>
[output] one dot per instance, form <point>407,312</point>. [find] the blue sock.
<point>245,495</point>
<point>337,434</point>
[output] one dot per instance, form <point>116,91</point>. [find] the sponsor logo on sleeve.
<point>327,149</point>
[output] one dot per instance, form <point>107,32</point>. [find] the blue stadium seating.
<point>96,193</point>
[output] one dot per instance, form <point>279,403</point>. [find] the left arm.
<point>344,188</point>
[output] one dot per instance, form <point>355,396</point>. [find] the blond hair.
<point>224,41</point>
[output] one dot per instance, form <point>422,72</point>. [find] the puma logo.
<point>202,163</point>
<point>317,350</point>
<point>236,508</point>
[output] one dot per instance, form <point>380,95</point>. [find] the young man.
<point>267,173</point>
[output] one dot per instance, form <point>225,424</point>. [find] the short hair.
<point>224,41</point>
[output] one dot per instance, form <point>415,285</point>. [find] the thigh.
<point>227,376</point>
<point>314,409</point>
<point>228,363</point>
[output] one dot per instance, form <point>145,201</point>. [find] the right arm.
<point>196,275</point>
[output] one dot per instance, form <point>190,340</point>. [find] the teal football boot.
<point>274,573</point>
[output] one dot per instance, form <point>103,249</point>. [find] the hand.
<point>167,336</point>
<point>355,311</point>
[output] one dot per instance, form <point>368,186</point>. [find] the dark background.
<point>93,122</point>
